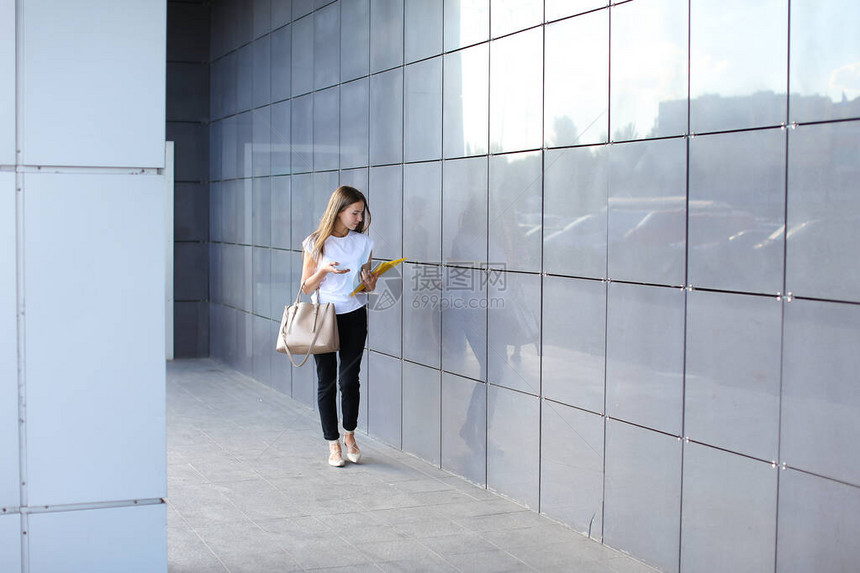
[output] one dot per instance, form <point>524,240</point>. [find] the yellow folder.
<point>380,269</point>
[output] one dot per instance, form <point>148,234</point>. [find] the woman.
<point>336,259</point>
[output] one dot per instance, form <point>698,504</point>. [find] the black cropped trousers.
<point>352,330</point>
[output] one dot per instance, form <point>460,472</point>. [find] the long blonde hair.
<point>340,199</point>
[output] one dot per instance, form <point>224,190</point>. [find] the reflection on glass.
<point>513,333</point>
<point>464,322</point>
<point>423,29</point>
<point>823,245</point>
<point>386,35</point>
<point>737,211</point>
<point>515,211</point>
<point>354,39</point>
<point>464,427</point>
<point>574,342</point>
<point>738,64</point>
<point>512,15</point>
<point>422,212</point>
<point>731,390</point>
<point>423,111</point>
<point>574,222</point>
<point>302,140</point>
<point>466,82</point>
<point>647,211</point>
<point>386,117</point>
<point>577,80</point>
<point>556,9</point>
<point>645,355</point>
<point>422,314</point>
<point>825,60</point>
<point>515,92</point>
<point>464,204</point>
<point>649,69</point>
<point>467,22</point>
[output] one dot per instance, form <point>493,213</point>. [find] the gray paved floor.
<point>249,490</point>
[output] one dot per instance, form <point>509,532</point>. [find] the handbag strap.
<point>289,323</point>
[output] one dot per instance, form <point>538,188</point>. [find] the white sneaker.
<point>335,457</point>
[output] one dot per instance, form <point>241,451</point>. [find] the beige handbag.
<point>308,328</point>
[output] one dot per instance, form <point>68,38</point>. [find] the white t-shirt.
<point>350,252</point>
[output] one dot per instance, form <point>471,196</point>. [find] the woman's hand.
<point>368,279</point>
<point>332,267</point>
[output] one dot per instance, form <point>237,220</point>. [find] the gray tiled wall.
<point>188,31</point>
<point>631,293</point>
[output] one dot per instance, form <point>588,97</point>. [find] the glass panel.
<point>733,372</point>
<point>466,97</point>
<point>467,22</point>
<point>825,51</point>
<point>280,138</point>
<point>423,111</point>
<point>738,64</point>
<point>422,212</point>
<point>649,69</point>
<point>281,64</point>
<point>647,211</point>
<point>576,189</point>
<point>244,148</point>
<point>516,97</point>
<point>354,123</point>
<point>819,521</point>
<point>386,34</point>
<point>515,211</point>
<point>422,314</point>
<point>820,403</point>
<point>301,8</point>
<point>577,80</point>
<point>302,140</point>
<point>245,78</point>
<point>556,9</point>
<point>422,412</point>
<point>386,117</point>
<point>261,213</point>
<point>327,46</point>
<point>280,214</point>
<point>355,177</point>
<point>513,15</point>
<point>464,322</point>
<point>464,211</point>
<point>464,428</point>
<point>385,306</point>
<point>262,88</point>
<point>572,468</point>
<point>513,343</point>
<point>355,39</point>
<point>423,37</point>
<point>574,342</point>
<point>645,356</point>
<point>513,445</point>
<point>303,56</point>
<point>741,536</point>
<point>261,132</point>
<point>384,398</point>
<point>302,208</point>
<point>385,197</point>
<point>283,289</point>
<point>737,211</point>
<point>824,211</point>
<point>643,494</point>
<point>326,129</point>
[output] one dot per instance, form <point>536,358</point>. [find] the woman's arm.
<point>313,276</point>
